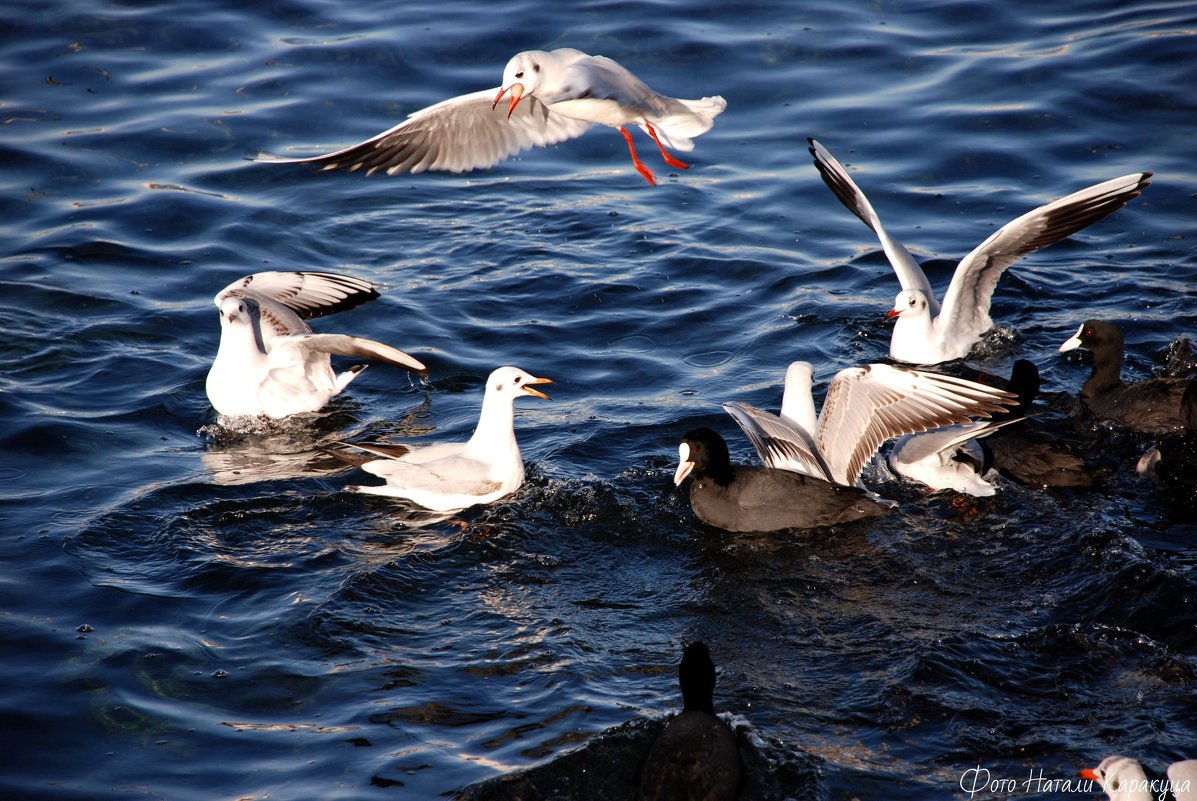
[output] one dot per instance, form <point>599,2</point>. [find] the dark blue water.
<point>187,614</point>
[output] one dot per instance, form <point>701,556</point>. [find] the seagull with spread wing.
<point>864,407</point>
<point>270,362</point>
<point>551,96</point>
<point>927,332</point>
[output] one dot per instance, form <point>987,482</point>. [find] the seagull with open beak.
<point>450,476</point>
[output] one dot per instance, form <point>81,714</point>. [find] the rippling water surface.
<point>188,613</point>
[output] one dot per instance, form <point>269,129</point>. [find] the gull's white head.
<point>797,402</point>
<point>240,324</point>
<point>1121,777</point>
<point>799,375</point>
<point>908,303</point>
<point>522,76</point>
<point>513,382</point>
<point>237,311</point>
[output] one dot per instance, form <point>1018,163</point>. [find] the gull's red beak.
<point>516,90</point>
<point>892,313</point>
<point>1088,773</point>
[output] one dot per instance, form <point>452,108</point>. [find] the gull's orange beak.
<point>892,313</point>
<point>516,90</point>
<point>1088,773</point>
<point>527,387</point>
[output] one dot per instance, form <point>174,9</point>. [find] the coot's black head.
<point>703,453</point>
<point>1100,337</point>
<point>1024,382</point>
<point>696,675</point>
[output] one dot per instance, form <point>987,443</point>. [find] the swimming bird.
<point>1026,452</point>
<point>450,476</point>
<point>958,457</point>
<point>946,458</point>
<point>761,498</point>
<point>1182,779</point>
<point>925,331</point>
<point>269,362</point>
<point>864,407</point>
<point>1123,779</point>
<point>1152,406</point>
<point>552,96</point>
<point>697,755</point>
<point>1173,460</point>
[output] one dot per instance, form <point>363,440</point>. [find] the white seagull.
<point>864,407</point>
<point>1123,779</point>
<point>449,476</point>
<point>269,361</point>
<point>947,458</point>
<point>925,332</point>
<point>563,91</point>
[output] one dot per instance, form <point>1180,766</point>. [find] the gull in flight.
<point>270,362</point>
<point>449,476</point>
<point>925,331</point>
<point>552,96</point>
<point>864,407</point>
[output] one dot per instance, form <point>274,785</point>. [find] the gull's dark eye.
<point>517,381</point>
<point>520,74</point>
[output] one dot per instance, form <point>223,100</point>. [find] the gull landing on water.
<point>925,332</point>
<point>449,476</point>
<point>552,96</point>
<point>864,407</point>
<point>269,361</point>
